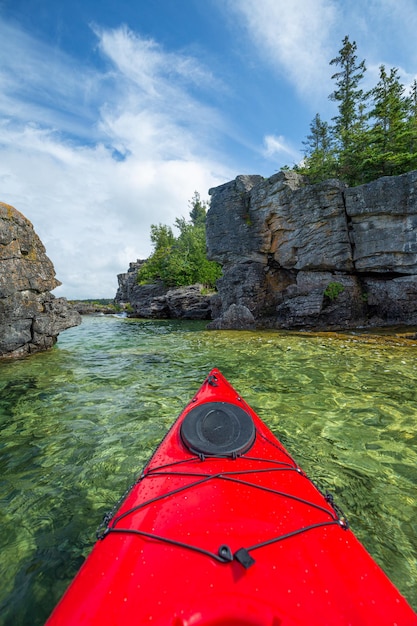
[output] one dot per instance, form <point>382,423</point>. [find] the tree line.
<point>374,133</point>
<point>181,260</point>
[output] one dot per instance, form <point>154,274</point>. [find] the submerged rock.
<point>30,316</point>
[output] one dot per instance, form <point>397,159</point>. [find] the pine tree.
<point>198,209</point>
<point>350,123</point>
<point>319,157</point>
<point>389,136</point>
<point>412,125</point>
<point>374,134</point>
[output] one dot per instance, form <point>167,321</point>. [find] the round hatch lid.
<point>219,429</point>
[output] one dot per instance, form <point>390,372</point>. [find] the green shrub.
<point>182,260</point>
<point>333,290</point>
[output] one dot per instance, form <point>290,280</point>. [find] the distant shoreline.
<point>107,306</point>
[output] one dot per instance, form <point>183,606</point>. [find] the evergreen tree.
<point>319,157</point>
<point>363,144</point>
<point>389,136</point>
<point>350,123</point>
<point>198,210</point>
<point>412,125</point>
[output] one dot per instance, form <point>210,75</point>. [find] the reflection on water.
<point>79,422</point>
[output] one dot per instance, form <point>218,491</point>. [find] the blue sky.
<point>113,112</point>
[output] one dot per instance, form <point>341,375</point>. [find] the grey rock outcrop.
<point>190,303</point>
<point>159,302</point>
<point>127,283</point>
<point>383,225</point>
<point>237,317</point>
<point>30,316</point>
<point>284,244</point>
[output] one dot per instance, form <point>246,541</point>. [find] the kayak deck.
<point>223,527</point>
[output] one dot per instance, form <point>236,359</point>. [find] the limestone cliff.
<point>30,316</point>
<point>296,255</point>
<point>160,302</point>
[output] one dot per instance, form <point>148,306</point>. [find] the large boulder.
<point>191,303</point>
<point>30,316</point>
<point>237,317</point>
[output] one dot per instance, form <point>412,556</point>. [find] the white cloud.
<point>93,207</point>
<point>279,146</point>
<point>145,63</point>
<point>298,39</point>
<point>293,37</point>
<point>43,85</point>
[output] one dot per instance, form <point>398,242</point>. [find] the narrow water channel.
<point>78,422</point>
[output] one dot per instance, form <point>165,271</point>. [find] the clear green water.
<point>78,423</point>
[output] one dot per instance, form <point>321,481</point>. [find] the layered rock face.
<point>127,283</point>
<point>30,316</point>
<point>159,302</point>
<point>296,255</point>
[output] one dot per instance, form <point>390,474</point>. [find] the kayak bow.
<point>224,528</point>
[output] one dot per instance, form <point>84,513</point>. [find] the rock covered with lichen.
<point>31,317</point>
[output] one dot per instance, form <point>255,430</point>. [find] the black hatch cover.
<point>219,429</point>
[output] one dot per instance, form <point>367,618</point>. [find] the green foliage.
<point>389,138</point>
<point>161,236</point>
<point>412,123</point>
<point>333,290</point>
<point>374,133</point>
<point>182,260</point>
<point>198,210</point>
<point>320,158</point>
<point>350,121</point>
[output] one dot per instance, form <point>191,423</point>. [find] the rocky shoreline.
<point>31,317</point>
<point>297,256</point>
<point>300,256</point>
<point>89,307</point>
<point>157,301</point>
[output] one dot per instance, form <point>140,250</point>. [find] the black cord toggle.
<point>343,522</point>
<point>225,553</point>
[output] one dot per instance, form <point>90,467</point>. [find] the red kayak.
<point>224,528</point>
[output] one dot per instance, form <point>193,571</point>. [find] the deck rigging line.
<point>224,554</point>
